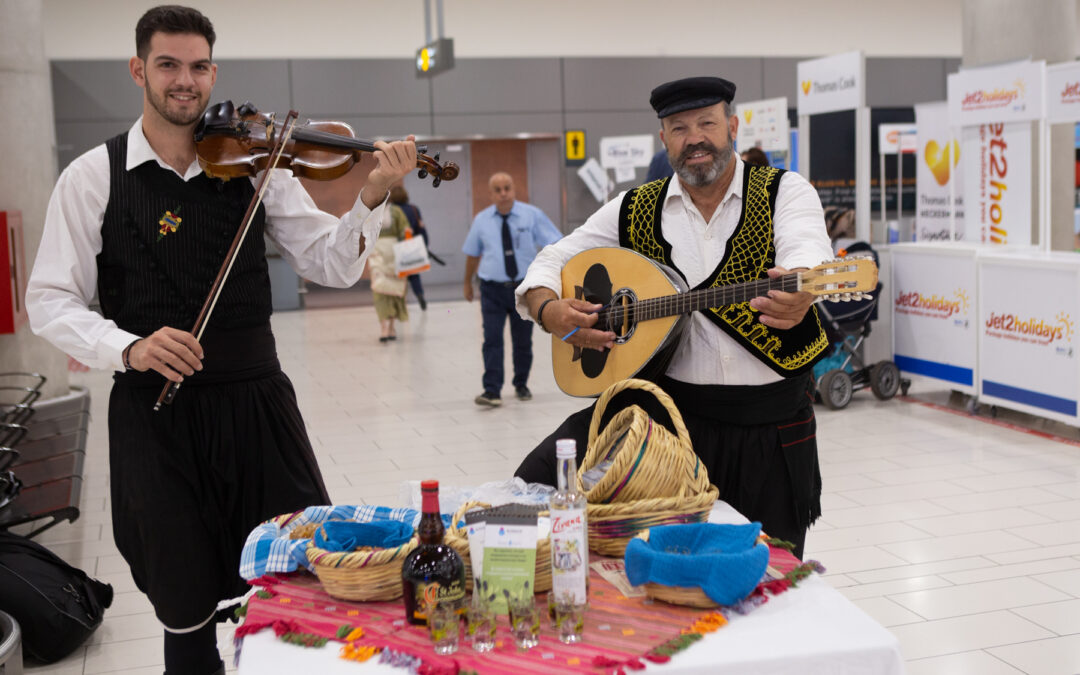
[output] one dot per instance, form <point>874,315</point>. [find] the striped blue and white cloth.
<point>269,549</point>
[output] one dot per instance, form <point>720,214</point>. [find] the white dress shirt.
<point>63,283</point>
<point>706,354</point>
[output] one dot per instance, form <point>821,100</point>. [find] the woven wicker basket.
<point>366,575</point>
<point>655,479</point>
<point>689,596</point>
<point>458,539</point>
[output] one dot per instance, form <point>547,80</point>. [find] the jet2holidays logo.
<point>1057,332</point>
<point>954,308</point>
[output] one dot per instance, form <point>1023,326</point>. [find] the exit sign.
<point>435,57</point>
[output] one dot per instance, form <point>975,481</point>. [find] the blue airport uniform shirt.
<point>530,230</point>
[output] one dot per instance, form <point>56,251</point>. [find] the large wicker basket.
<point>458,539</point>
<point>366,575</point>
<point>655,478</point>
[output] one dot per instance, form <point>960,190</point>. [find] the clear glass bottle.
<point>569,530</point>
<point>433,572</point>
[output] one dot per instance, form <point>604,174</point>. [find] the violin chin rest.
<point>218,116</point>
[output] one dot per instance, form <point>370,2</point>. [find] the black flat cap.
<point>689,93</point>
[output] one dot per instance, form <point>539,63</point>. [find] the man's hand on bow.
<point>169,351</point>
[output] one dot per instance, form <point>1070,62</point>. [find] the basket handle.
<point>645,385</point>
<point>459,515</point>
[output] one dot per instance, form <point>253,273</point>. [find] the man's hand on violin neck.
<point>393,161</point>
<point>172,352</point>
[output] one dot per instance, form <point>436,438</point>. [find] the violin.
<point>233,142</point>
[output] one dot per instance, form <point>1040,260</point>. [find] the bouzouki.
<point>647,306</point>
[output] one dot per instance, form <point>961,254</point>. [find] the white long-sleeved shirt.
<point>62,285</point>
<point>706,354</point>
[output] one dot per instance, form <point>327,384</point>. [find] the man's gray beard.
<point>700,176</point>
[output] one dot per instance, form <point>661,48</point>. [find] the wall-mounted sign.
<point>1063,92</point>
<point>893,138</point>
<point>626,151</point>
<point>435,57</point>
<point>830,84</point>
<point>763,124</point>
<point>575,147</point>
<point>1009,93</point>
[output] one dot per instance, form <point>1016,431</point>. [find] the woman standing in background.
<point>387,289</point>
<point>400,197</point>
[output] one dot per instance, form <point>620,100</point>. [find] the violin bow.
<point>168,392</point>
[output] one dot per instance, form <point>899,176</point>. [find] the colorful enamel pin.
<point>169,222</point>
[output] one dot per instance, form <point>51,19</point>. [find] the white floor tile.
<point>1061,617</point>
<point>967,663</point>
<point>964,633</point>
<point>1055,656</point>
<point>977,598</point>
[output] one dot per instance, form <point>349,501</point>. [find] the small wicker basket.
<point>458,539</point>
<point>365,575</point>
<point>655,479</point>
<point>689,596</point>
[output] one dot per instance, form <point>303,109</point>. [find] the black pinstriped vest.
<point>750,251</point>
<point>163,241</point>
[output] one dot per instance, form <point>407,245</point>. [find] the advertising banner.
<point>616,151</point>
<point>763,124</point>
<point>1063,92</point>
<point>937,164</point>
<point>831,83</point>
<point>894,138</point>
<point>1008,93</point>
<point>1027,336</point>
<point>934,321</point>
<point>997,183</point>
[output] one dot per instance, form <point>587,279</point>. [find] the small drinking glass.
<point>525,621</point>
<point>481,627</point>
<point>444,625</point>
<point>567,618</point>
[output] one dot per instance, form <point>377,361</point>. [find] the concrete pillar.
<point>1007,30</point>
<point>28,169</point>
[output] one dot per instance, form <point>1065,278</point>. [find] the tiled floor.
<point>959,535</point>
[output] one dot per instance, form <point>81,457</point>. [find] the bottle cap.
<point>429,485</point>
<point>566,448</point>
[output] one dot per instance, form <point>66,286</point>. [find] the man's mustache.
<point>697,147</point>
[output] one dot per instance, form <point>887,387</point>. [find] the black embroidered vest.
<point>163,241</point>
<point>750,251</point>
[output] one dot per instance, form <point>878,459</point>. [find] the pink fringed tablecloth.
<point>618,630</point>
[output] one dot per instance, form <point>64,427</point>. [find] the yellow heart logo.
<point>806,86</point>
<point>748,114</point>
<point>937,158</point>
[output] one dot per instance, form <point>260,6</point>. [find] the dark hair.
<point>398,195</point>
<point>172,19</point>
<point>755,157</point>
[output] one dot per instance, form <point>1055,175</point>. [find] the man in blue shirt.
<point>500,246</point>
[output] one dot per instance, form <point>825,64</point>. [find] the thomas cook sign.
<point>830,84</point>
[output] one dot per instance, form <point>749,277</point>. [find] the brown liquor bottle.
<point>433,572</point>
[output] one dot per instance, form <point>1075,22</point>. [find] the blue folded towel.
<point>341,535</point>
<point>722,560</point>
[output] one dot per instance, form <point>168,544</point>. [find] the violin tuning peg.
<point>422,174</point>
<point>421,149</point>
<point>436,157</point>
<point>246,108</point>
<point>436,182</point>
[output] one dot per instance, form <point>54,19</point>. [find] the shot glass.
<point>481,627</point>
<point>525,622</point>
<point>444,626</point>
<point>567,618</point>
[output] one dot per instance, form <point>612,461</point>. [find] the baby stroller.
<point>847,324</point>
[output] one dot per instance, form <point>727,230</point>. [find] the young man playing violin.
<point>136,221</point>
<point>740,375</point>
